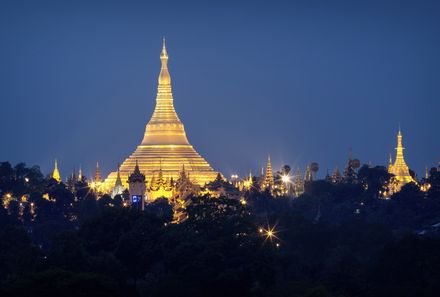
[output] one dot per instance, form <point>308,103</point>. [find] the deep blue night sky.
<point>301,80</point>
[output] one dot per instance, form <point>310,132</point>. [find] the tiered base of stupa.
<point>169,159</point>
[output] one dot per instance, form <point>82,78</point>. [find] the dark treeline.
<point>334,240</point>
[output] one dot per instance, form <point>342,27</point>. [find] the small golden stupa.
<point>399,169</point>
<point>56,173</point>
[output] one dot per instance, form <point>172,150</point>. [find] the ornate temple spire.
<point>80,174</point>
<point>400,160</point>
<point>118,189</point>
<point>164,126</point>
<point>390,164</point>
<point>308,175</point>
<point>268,179</point>
<point>118,178</point>
<point>56,173</point>
<point>399,168</point>
<point>336,176</point>
<point>136,175</point>
<point>164,76</point>
<point>97,173</point>
<point>399,148</point>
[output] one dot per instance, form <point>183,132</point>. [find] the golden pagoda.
<point>268,181</point>
<point>164,148</point>
<point>97,173</point>
<point>399,169</point>
<point>56,173</point>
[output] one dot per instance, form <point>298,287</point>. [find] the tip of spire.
<point>164,53</point>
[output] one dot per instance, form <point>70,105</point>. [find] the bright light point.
<point>260,230</point>
<point>270,233</point>
<point>26,179</point>
<point>285,178</point>
<point>243,202</point>
<point>278,245</point>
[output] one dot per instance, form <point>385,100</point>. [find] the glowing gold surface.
<point>268,179</point>
<point>164,145</point>
<point>56,173</point>
<point>399,168</point>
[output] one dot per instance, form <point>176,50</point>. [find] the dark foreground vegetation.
<point>335,240</point>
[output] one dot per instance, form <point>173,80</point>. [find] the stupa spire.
<point>390,164</point>
<point>399,149</point>
<point>164,126</point>
<point>118,178</point>
<point>164,76</point>
<point>399,168</point>
<point>56,173</point>
<point>268,179</point>
<point>97,173</point>
<point>80,174</point>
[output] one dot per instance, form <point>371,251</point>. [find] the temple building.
<point>221,188</point>
<point>56,173</point>
<point>165,147</point>
<point>399,169</point>
<point>160,186</point>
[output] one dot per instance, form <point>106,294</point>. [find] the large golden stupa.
<point>164,148</point>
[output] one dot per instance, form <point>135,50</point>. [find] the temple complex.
<point>165,147</point>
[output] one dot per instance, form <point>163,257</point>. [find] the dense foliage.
<point>334,240</point>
